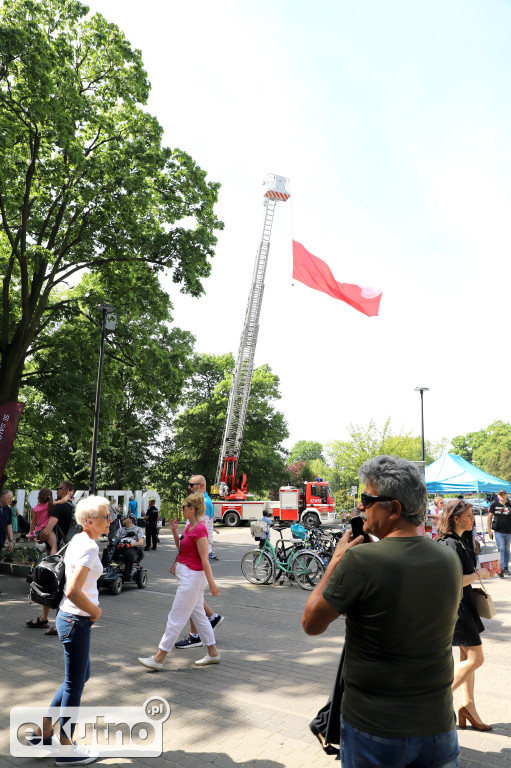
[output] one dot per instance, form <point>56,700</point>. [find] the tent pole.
<point>481,516</point>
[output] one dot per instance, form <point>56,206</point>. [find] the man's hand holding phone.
<point>357,527</point>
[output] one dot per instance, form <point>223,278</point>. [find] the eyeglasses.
<point>61,488</point>
<point>368,500</point>
<point>103,517</point>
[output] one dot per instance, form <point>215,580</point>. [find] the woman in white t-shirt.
<point>78,609</point>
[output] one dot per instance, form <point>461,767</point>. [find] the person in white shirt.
<point>78,610</point>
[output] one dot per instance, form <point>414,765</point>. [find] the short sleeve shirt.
<point>501,521</point>
<point>152,515</point>
<point>133,507</point>
<point>188,552</point>
<point>399,668</point>
<point>64,514</point>
<point>5,520</point>
<point>210,512</point>
<point>132,535</point>
<point>82,550</point>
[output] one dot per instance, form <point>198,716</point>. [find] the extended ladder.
<point>277,188</point>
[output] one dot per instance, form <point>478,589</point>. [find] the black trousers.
<point>128,555</point>
<point>151,532</point>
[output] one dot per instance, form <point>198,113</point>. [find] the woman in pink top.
<point>193,571</point>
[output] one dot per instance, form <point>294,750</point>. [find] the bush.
<point>20,555</point>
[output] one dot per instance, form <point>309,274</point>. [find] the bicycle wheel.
<point>308,569</point>
<point>257,567</point>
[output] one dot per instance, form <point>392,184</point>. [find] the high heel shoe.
<point>464,715</point>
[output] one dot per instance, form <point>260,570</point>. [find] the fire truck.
<point>313,502</point>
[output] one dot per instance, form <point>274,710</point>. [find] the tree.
<point>489,449</point>
<point>298,471</point>
<point>196,433</point>
<point>85,183</point>
<point>366,442</point>
<point>306,450</point>
<point>146,364</point>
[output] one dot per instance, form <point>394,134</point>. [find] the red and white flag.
<point>315,273</point>
<point>10,414</point>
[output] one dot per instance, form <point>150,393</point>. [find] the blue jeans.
<point>363,750</point>
<point>74,634</point>
<point>503,545</point>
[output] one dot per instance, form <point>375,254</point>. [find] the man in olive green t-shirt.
<point>397,707</point>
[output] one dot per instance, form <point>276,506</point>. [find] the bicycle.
<point>294,561</point>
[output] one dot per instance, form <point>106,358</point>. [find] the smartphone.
<point>357,527</point>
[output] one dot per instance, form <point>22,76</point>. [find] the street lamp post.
<point>108,324</point>
<point>422,390</point>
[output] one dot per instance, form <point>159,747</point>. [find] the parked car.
<point>478,506</point>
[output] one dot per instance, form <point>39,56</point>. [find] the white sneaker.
<point>207,659</point>
<point>150,663</point>
<point>77,755</point>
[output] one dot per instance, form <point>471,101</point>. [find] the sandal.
<point>51,631</point>
<point>36,623</point>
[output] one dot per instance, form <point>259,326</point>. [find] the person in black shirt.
<point>499,522</point>
<point>61,515</point>
<point>6,531</point>
<point>151,525</point>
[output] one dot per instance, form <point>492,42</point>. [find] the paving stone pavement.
<point>250,711</point>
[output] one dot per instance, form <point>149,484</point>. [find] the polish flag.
<point>315,273</point>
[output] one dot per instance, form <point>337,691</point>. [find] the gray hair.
<point>5,492</point>
<point>400,479</point>
<point>89,507</point>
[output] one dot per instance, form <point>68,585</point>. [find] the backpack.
<point>47,587</point>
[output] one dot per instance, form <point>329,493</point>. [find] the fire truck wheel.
<point>310,520</point>
<point>232,519</point>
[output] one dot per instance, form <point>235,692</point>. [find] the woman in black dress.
<point>457,518</point>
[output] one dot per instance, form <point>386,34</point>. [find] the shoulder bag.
<point>484,604</point>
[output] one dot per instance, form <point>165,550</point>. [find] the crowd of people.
<point>79,607</point>
<point>394,692</point>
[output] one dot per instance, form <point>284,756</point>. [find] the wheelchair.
<point>113,577</point>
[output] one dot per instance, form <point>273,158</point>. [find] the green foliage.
<point>85,183</point>
<point>20,555</point>
<point>306,450</point>
<point>489,449</point>
<point>320,468</point>
<point>196,433</point>
<point>366,442</point>
<point>146,364</point>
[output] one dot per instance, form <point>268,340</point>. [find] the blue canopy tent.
<point>452,474</point>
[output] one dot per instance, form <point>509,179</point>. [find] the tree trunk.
<point>11,371</point>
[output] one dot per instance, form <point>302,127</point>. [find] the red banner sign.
<point>10,414</point>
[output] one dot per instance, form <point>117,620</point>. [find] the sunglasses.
<point>368,500</point>
<point>191,485</point>
<point>187,506</point>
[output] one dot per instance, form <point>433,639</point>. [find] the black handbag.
<point>326,726</point>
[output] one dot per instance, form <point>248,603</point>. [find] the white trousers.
<point>188,603</point>
<point>209,527</point>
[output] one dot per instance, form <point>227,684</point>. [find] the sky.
<point>393,122</point>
